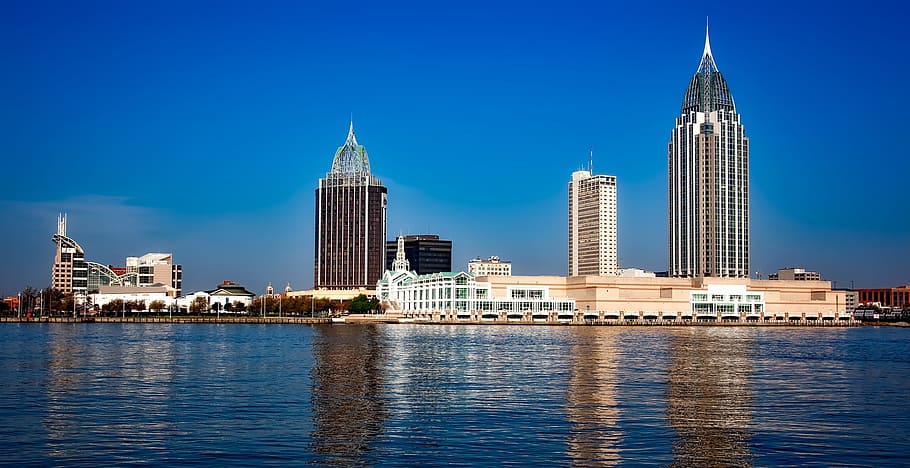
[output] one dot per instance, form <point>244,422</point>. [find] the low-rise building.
<point>142,294</point>
<point>619,298</point>
<point>896,298</point>
<point>635,273</point>
<point>492,266</point>
<point>795,274</point>
<point>453,295</point>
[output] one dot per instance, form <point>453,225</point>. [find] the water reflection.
<point>348,411</point>
<point>592,408</point>
<point>709,398</point>
<point>90,374</point>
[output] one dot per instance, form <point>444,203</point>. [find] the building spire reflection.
<point>709,397</point>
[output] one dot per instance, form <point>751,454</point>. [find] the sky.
<point>202,128</point>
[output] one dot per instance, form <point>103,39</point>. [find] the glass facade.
<point>350,222</point>
<point>708,181</point>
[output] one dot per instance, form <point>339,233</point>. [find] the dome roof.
<point>351,158</point>
<point>708,90</point>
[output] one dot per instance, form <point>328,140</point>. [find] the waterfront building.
<point>851,298</point>
<point>459,294</point>
<point>492,266</point>
<point>426,253</point>
<point>106,275</point>
<point>706,298</point>
<point>70,272</point>
<point>896,298</point>
<point>795,274</point>
<point>229,293</point>
<point>350,222</point>
<point>143,294</point>
<point>592,224</point>
<point>620,298</point>
<point>218,299</point>
<point>708,179</point>
<point>156,268</point>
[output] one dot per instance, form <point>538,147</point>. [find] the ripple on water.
<point>408,395</point>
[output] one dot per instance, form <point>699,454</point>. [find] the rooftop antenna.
<point>591,160</point>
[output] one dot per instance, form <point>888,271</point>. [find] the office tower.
<point>592,224</point>
<point>70,273</point>
<point>350,222</point>
<point>708,179</point>
<point>425,253</point>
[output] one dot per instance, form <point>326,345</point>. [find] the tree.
<point>115,306</point>
<point>199,304</point>
<point>157,305</point>
<point>239,306</point>
<point>359,304</point>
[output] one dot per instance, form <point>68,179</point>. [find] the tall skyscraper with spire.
<point>708,178</point>
<point>350,222</point>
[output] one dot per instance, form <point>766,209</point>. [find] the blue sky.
<point>201,128</point>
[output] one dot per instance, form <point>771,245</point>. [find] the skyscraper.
<point>708,179</point>
<point>350,222</point>
<point>592,224</point>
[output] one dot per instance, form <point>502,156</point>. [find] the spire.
<point>352,140</point>
<point>401,262</point>
<point>708,90</point>
<point>351,157</point>
<point>707,64</point>
<point>707,39</point>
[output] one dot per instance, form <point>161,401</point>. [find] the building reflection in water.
<point>708,396</point>
<point>592,409</point>
<point>348,412</point>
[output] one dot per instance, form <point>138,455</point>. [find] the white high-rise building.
<point>592,224</point>
<point>708,178</point>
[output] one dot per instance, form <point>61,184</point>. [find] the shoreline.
<point>364,319</point>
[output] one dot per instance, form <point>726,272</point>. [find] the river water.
<point>422,395</point>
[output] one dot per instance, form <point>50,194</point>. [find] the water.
<point>406,395</point>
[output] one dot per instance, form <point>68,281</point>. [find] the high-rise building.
<point>350,222</point>
<point>426,253</point>
<point>708,179</point>
<point>592,224</point>
<point>70,273</point>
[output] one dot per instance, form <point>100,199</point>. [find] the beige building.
<point>795,274</point>
<point>492,266</point>
<point>70,271</point>
<point>592,224</point>
<point>156,268</point>
<point>689,298</point>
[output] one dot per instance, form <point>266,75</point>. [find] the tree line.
<point>50,301</point>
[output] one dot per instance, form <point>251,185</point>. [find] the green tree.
<point>359,304</point>
<point>239,306</point>
<point>157,305</point>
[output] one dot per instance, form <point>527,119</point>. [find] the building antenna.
<point>591,161</point>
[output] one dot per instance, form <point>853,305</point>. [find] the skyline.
<point>243,109</point>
